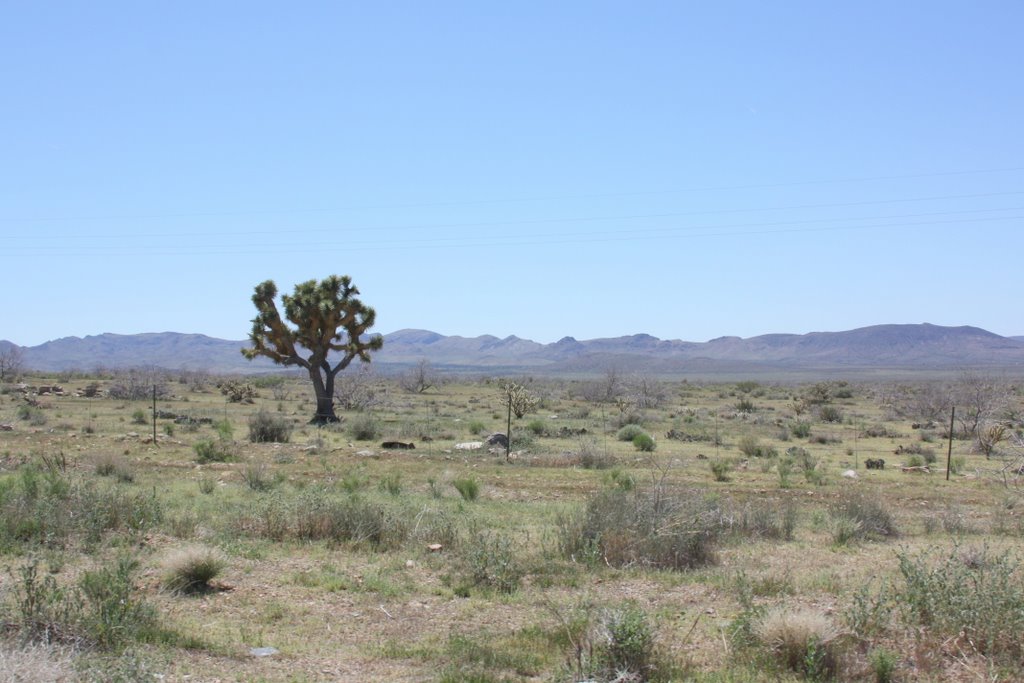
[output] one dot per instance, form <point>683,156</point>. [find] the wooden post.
<point>949,453</point>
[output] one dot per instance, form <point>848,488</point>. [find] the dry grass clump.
<point>190,570</point>
<point>29,663</point>
<point>801,640</point>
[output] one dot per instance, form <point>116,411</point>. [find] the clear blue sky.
<point>594,169</point>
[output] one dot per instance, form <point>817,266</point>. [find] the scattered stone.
<point>435,547</point>
<point>469,446</point>
<point>6,428</point>
<point>849,474</point>
<point>409,564</point>
<point>263,651</point>
<point>365,454</point>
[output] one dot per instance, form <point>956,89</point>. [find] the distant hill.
<point>910,348</point>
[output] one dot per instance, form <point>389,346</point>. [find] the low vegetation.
<point>638,530</point>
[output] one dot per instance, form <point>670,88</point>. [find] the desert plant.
<point>113,613</point>
<point>489,560</point>
<point>208,450</point>
<point>653,528</point>
<point>801,640</point>
<point>830,414</point>
<point>883,664</point>
<point>190,570</point>
<point>644,442</point>
<point>468,488</point>
<point>628,646</point>
<point>113,466</point>
<point>391,483</point>
<point>720,469</point>
<point>629,432</point>
<point>859,516</point>
<point>265,427</point>
<point>800,429</point>
<point>364,427</point>
<point>256,476</point>
<point>139,416</point>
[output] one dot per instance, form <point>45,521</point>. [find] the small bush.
<point>256,476</point>
<point>537,427</point>
<point>830,414</point>
<point>476,427</point>
<point>629,647</point>
<point>489,560</point>
<point>34,416</point>
<point>720,469</point>
<point>751,447</point>
<point>800,430</point>
<point>862,517</point>
<point>208,450</point>
<point>364,427</point>
<point>139,417</point>
<point>644,442</point>
<point>745,405</point>
<point>883,665</point>
<point>265,427</point>
<point>468,488</point>
<point>593,457</point>
<point>112,466</point>
<point>190,570</point>
<point>629,432</point>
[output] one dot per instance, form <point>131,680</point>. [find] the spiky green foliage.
<point>329,321</point>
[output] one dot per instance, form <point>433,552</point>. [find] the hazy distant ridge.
<point>910,347</point>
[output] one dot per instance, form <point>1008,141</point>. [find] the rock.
<point>365,454</point>
<point>435,547</point>
<point>469,446</point>
<point>397,445</point>
<point>6,428</point>
<point>263,651</point>
<point>497,439</point>
<point>849,474</point>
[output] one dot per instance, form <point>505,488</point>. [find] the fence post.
<point>949,453</point>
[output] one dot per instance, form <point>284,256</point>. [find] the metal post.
<point>154,414</point>
<point>949,453</point>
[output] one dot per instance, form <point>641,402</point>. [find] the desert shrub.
<point>594,457</point>
<point>257,477</point>
<point>364,427</point>
<point>765,520</point>
<point>113,466</point>
<point>629,644</point>
<point>476,427</point>
<point>31,414</point>
<point>489,560</point>
<point>538,427</point>
<point>720,469</point>
<point>265,427</point>
<point>745,405</point>
<point>207,485</point>
<point>976,594</point>
<point>751,447</point>
<point>629,432</point>
<point>190,570</point>
<point>801,640</point>
<point>830,414</point>
<point>800,429</point>
<point>652,528</point>
<point>883,665</point>
<point>139,416</point>
<point>857,516</point>
<point>468,488</point>
<point>644,442</point>
<point>113,614</point>
<point>209,450</point>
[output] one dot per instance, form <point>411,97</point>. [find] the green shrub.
<point>973,593</point>
<point>830,414</point>
<point>537,427</point>
<point>34,416</point>
<point>644,442</point>
<point>476,427</point>
<point>629,432</point>
<point>489,560</point>
<point>629,647</point>
<point>113,614</point>
<point>883,664</point>
<point>720,469</point>
<point>468,488</point>
<point>745,405</point>
<point>800,430</point>
<point>265,427</point>
<point>594,457</point>
<point>112,466</point>
<point>256,476</point>
<point>208,450</point>
<point>751,447</point>
<point>139,417</point>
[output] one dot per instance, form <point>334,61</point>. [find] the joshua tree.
<point>329,321</point>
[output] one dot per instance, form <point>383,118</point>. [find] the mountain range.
<point>891,349</point>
